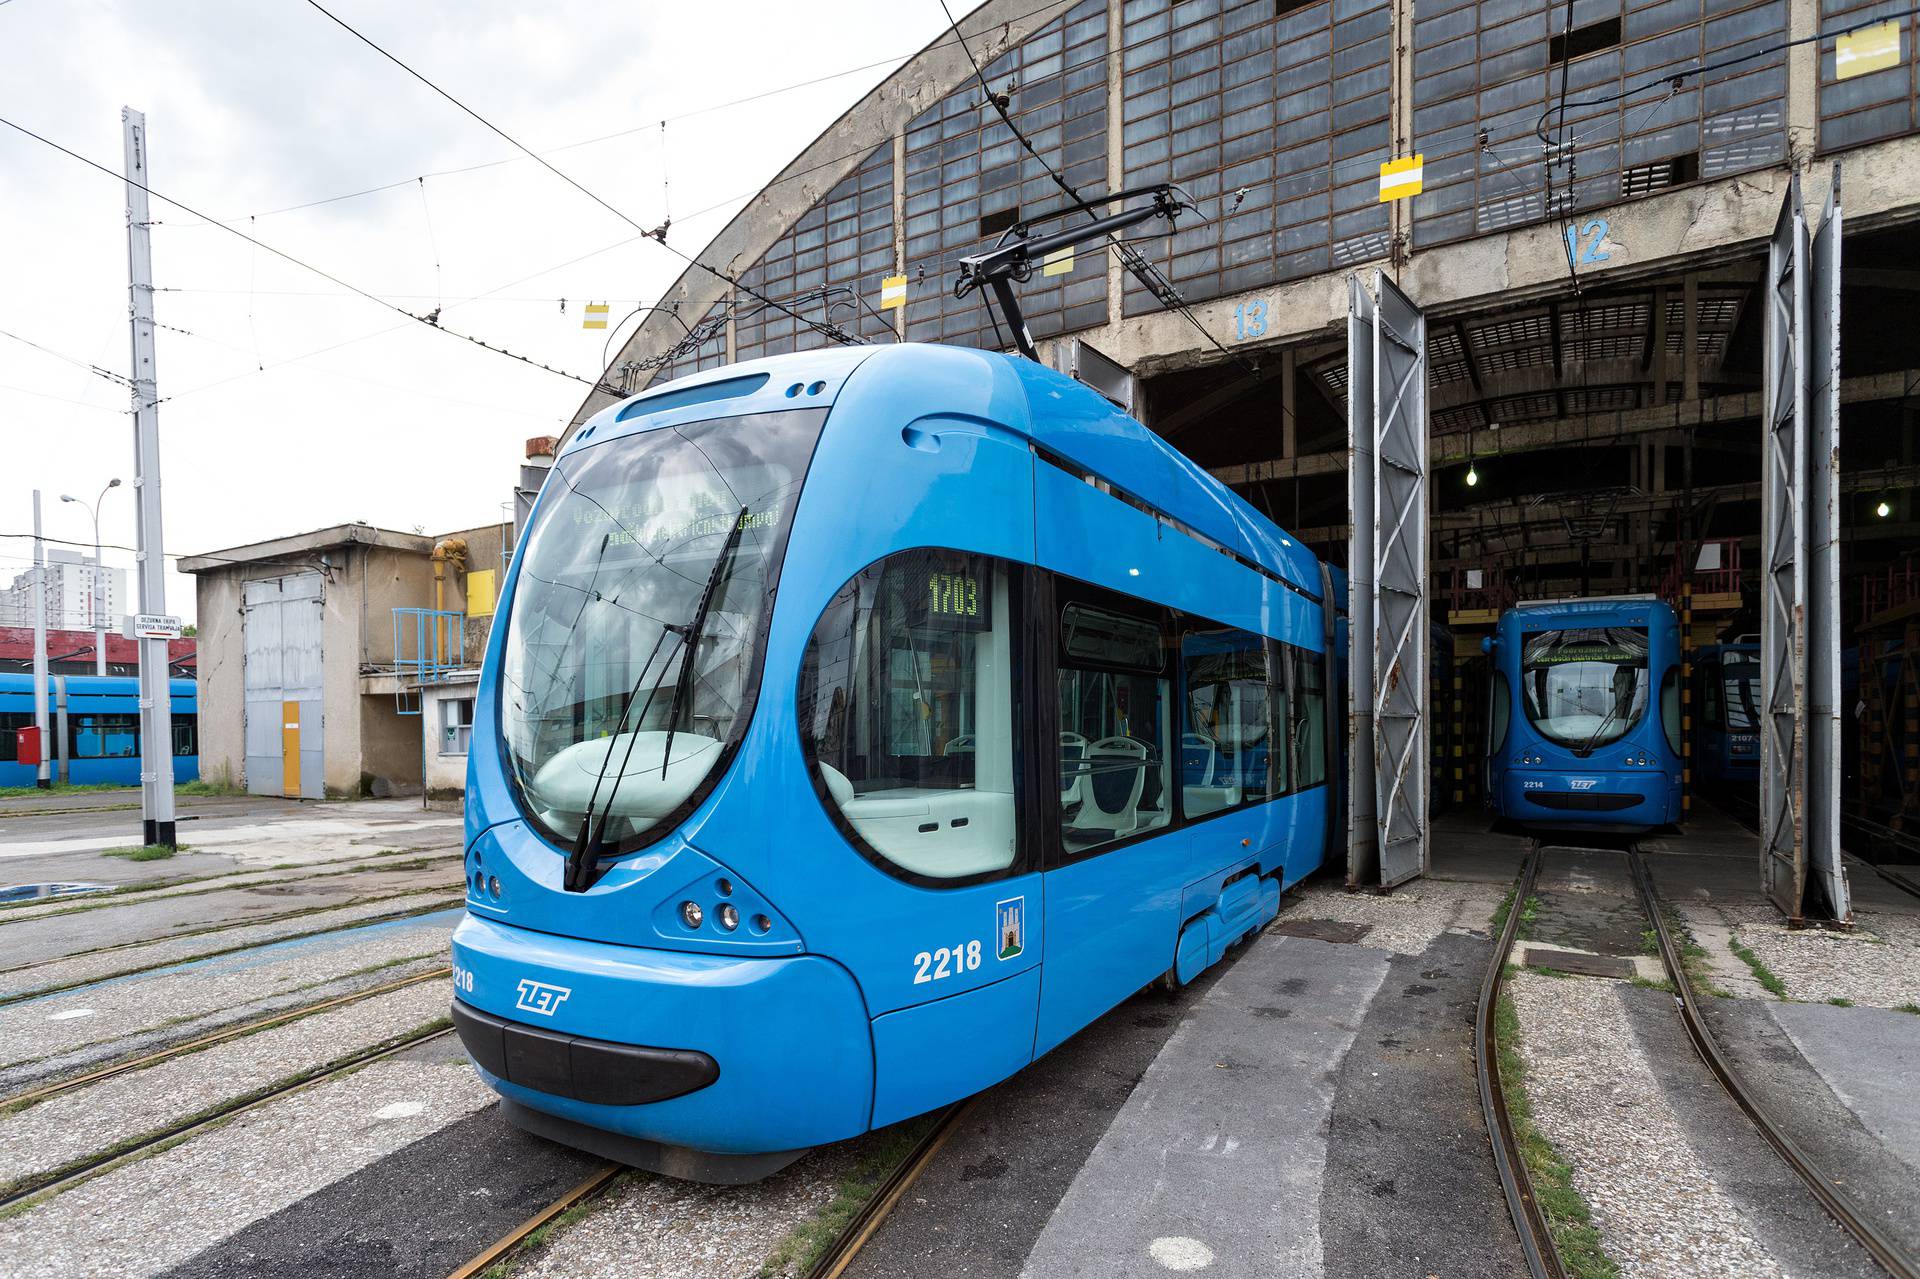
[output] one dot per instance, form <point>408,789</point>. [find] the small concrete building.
<point>317,650</point>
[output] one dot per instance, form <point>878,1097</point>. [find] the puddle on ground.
<point>42,892</point>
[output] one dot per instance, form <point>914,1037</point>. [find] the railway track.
<point>55,1180</point>
<point>832,1262</point>
<point>1536,1238</point>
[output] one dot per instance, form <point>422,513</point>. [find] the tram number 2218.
<point>933,965</point>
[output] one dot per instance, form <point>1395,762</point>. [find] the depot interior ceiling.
<point>1609,424</point>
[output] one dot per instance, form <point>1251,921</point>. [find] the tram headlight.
<point>691,914</point>
<point>493,887</point>
<point>729,917</point>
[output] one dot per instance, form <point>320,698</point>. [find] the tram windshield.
<point>1586,686</point>
<point>1740,676</point>
<point>632,646</point>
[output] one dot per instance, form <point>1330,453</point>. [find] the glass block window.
<point>1492,67</point>
<point>842,245</point>
<point>706,347</point>
<point>968,178</point>
<point>1879,104</point>
<point>1293,106</point>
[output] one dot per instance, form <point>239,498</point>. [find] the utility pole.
<point>156,700</point>
<point>44,778</point>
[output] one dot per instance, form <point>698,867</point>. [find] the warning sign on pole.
<point>1058,262</point>
<point>1400,179</point>
<point>1869,49</point>
<point>893,291</point>
<point>596,316</point>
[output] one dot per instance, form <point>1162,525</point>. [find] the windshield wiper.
<point>589,838</point>
<point>587,844</point>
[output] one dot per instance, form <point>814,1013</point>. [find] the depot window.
<point>907,714</point>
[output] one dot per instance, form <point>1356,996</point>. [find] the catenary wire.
<point>288,257</point>
<point>659,235</point>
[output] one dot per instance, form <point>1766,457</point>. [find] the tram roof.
<point>1063,417</point>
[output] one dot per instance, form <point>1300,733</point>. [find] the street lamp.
<point>93,605</point>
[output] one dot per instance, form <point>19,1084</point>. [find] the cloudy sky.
<point>291,404</point>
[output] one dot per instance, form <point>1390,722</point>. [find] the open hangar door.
<point>1659,384</point>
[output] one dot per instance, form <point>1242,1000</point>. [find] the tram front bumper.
<point>732,1055</point>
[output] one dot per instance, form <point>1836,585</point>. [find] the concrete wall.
<point>222,677</point>
<point>446,772</point>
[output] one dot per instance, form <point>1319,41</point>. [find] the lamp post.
<point>93,607</point>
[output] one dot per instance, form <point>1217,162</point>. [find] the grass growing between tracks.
<point>1528,913</point>
<point>1569,1219</point>
<point>1761,973</point>
<point>800,1251</point>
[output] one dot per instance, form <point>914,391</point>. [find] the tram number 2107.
<point>944,962</point>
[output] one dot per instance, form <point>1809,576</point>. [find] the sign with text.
<point>156,626</point>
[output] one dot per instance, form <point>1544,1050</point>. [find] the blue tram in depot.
<point>1726,703</point>
<point>1584,715</point>
<point>863,723</point>
<point>94,729</point>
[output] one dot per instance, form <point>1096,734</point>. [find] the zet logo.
<point>538,997</point>
<point>1583,783</point>
<point>1010,926</point>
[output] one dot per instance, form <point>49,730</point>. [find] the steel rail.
<point>1529,1223</point>
<point>68,1175</point>
<point>1885,1251</point>
<point>368,921</point>
<point>854,1235</point>
<point>217,1037</point>
<point>590,1185</point>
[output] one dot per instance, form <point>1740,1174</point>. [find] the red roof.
<point>16,645</point>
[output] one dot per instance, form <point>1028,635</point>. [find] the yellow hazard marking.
<point>1870,49</point>
<point>1058,262</point>
<point>1400,179</point>
<point>595,317</point>
<point>893,291</point>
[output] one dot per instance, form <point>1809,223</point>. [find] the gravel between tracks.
<point>1404,921</point>
<point>1660,1213</point>
<point>658,1226</point>
<point>153,1214</point>
<point>1877,964</point>
<point>94,1118</point>
<point>175,950</point>
<point>46,1026</point>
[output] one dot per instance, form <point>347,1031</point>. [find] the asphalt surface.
<point>1411,1187</point>
<point>1773,1202</point>
<point>1879,1175</point>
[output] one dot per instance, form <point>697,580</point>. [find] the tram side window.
<point>1226,748</point>
<point>103,736</point>
<point>906,712</point>
<point>10,724</point>
<point>1499,712</point>
<point>1670,707</point>
<point>1116,722</point>
<point>186,735</point>
<point>1711,710</point>
<point>1309,730</point>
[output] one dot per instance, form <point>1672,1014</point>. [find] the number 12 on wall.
<point>1594,250</point>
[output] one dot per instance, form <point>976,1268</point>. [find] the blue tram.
<point>862,724</point>
<point>94,729</point>
<point>1584,715</point>
<point>1726,700</point>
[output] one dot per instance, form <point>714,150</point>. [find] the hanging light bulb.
<point>1883,510</point>
<point>1473,477</point>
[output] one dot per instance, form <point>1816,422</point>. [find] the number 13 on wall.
<point>1249,320</point>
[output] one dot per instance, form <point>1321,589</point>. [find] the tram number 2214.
<point>933,965</point>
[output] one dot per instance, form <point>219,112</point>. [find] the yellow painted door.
<point>290,748</point>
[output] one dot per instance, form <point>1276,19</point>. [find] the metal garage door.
<point>280,620</point>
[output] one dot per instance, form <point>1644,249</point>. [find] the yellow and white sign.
<point>1400,179</point>
<point>596,316</point>
<point>1869,49</point>
<point>1058,262</point>
<point>893,291</point>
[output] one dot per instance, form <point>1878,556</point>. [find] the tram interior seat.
<point>1073,772</point>
<point>943,832</point>
<point>1205,785</point>
<point>1116,783</point>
